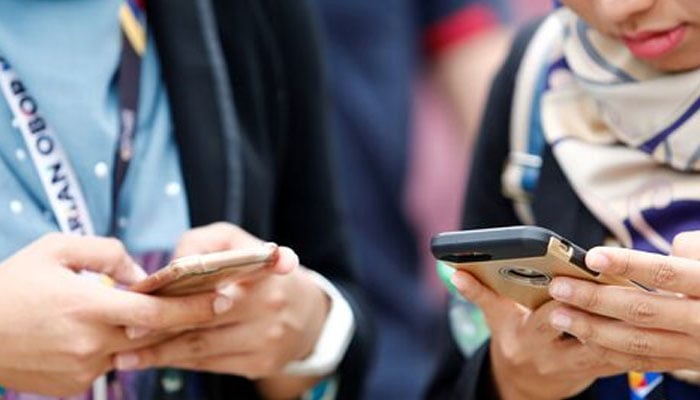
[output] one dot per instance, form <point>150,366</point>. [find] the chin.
<point>672,65</point>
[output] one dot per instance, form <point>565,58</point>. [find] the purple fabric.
<point>679,216</point>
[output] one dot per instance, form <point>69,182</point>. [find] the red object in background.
<point>463,25</point>
<point>438,155</point>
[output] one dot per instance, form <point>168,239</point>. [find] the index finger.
<point>101,255</point>
<point>496,308</point>
<point>218,236</point>
<point>157,313</point>
<point>675,274</point>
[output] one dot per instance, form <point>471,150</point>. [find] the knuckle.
<point>115,247</point>
<point>638,344</point>
<point>664,273</point>
<point>625,268</point>
<point>641,311</point>
<point>197,343</point>
<point>276,300</point>
<point>148,316</point>
<point>590,298</point>
<point>114,244</point>
<point>585,332</point>
<point>545,368</point>
<point>511,353</point>
<point>276,333</point>
<point>543,326</point>
<point>85,350</point>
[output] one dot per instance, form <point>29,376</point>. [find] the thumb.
<point>285,262</point>
<point>106,256</point>
<point>493,306</point>
<point>686,245</point>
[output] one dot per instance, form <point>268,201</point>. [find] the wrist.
<point>512,384</point>
<point>321,303</point>
<point>285,386</point>
<point>330,345</point>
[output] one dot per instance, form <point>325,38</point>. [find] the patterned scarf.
<point>626,136</point>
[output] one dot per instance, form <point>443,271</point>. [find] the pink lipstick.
<point>651,45</point>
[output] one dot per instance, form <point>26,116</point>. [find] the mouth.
<point>650,45</point>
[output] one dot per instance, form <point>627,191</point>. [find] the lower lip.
<point>657,45</point>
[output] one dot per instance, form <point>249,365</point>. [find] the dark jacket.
<point>555,205</point>
<point>246,93</point>
<point>485,206</point>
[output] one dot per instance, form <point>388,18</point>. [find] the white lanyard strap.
<point>50,160</point>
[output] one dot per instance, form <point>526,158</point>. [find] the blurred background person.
<point>375,51</point>
<point>407,83</point>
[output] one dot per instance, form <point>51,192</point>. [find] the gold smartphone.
<point>202,273</point>
<point>518,262</point>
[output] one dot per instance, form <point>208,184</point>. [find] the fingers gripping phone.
<point>518,262</point>
<point>201,273</point>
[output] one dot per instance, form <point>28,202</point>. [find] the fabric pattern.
<point>625,136</point>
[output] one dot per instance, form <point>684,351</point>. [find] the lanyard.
<point>50,160</point>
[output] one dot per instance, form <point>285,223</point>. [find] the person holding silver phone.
<point>135,131</point>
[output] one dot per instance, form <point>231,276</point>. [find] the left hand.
<point>276,316</point>
<point>631,328</point>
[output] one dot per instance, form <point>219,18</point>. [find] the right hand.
<point>529,358</point>
<point>59,330</point>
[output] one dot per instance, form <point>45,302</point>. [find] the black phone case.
<point>517,262</point>
<point>499,244</point>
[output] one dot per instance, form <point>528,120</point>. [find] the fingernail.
<point>136,332</point>
<point>139,272</point>
<point>597,261</point>
<point>461,283</point>
<point>227,289</point>
<point>445,273</point>
<point>126,361</point>
<point>560,321</point>
<point>222,304</point>
<point>560,290</point>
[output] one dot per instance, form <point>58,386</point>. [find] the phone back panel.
<point>517,262</point>
<point>203,273</point>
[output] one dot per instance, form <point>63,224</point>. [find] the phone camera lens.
<point>525,272</point>
<point>525,276</point>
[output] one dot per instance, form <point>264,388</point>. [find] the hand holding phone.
<point>203,272</point>
<point>518,262</point>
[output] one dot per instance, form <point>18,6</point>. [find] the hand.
<point>529,359</point>
<point>632,328</point>
<point>276,317</point>
<point>59,329</point>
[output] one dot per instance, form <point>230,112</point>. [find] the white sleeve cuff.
<point>335,336</point>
